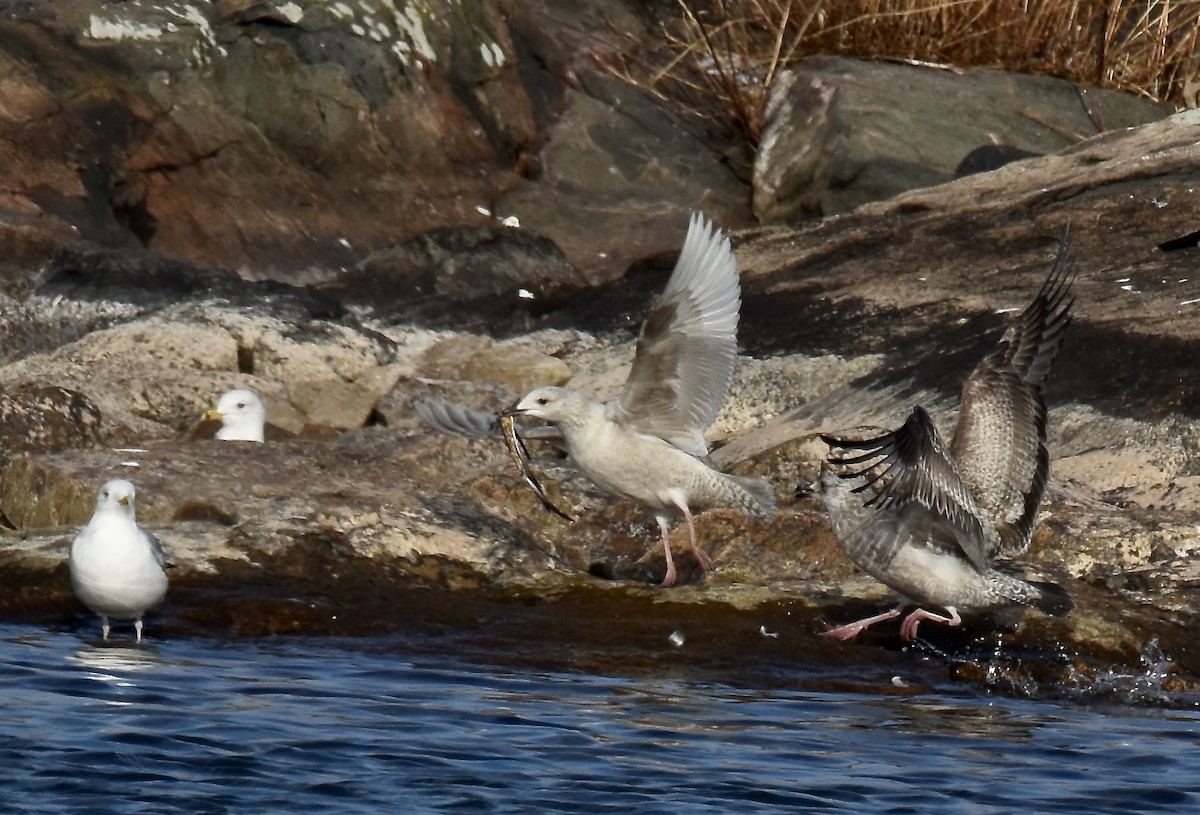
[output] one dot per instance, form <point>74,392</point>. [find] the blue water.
<point>291,725</point>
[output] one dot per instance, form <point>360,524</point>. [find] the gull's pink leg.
<point>669,578</point>
<point>701,556</point>
<point>908,628</point>
<point>851,630</point>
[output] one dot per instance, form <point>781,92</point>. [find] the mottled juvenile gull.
<point>241,414</point>
<point>647,444</point>
<point>928,520</point>
<point>117,568</point>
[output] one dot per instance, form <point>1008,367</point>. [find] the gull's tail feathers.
<point>1052,599</point>
<point>754,496</point>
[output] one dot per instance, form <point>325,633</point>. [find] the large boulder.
<point>843,132</point>
<point>616,162</point>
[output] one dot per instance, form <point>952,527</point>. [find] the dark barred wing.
<point>999,441</point>
<point>911,481</point>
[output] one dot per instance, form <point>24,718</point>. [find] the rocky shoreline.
<point>113,349</point>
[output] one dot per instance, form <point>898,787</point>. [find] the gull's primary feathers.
<point>687,347</point>
<point>928,519</point>
<point>241,414</point>
<point>117,568</point>
<point>460,420</point>
<point>646,444</point>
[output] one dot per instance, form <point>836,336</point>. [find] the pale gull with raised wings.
<point>647,444</point>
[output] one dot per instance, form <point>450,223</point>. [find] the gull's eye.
<point>542,400</point>
<point>241,405</point>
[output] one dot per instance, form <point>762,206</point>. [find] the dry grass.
<point>727,53</point>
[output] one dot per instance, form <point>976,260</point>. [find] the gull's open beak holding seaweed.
<point>520,456</point>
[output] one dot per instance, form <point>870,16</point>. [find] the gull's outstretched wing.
<point>915,488</point>
<point>999,442</point>
<point>687,346</point>
<point>456,419</point>
<point>460,420</point>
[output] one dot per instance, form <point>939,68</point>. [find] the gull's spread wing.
<point>687,346</point>
<point>999,442</point>
<point>915,488</point>
<point>460,420</point>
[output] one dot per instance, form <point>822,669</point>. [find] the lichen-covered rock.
<point>46,418</point>
<point>477,359</point>
<point>154,376</point>
<point>261,499</point>
<point>141,375</point>
<point>466,277</point>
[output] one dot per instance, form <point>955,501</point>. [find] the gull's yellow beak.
<point>213,415</point>
<point>123,500</point>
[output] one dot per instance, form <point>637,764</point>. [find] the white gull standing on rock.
<point>117,568</point>
<point>241,414</point>
<point>645,445</point>
<point>928,520</point>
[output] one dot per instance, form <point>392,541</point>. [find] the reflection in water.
<point>936,717</point>
<point>301,725</point>
<point>113,661</point>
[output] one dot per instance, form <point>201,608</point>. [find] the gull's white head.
<point>242,416</point>
<point>116,496</point>
<point>552,404</point>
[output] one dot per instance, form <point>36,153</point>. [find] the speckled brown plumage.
<point>928,519</point>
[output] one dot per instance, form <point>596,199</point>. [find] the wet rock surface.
<point>136,292</point>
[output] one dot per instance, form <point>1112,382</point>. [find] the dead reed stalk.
<point>720,57</point>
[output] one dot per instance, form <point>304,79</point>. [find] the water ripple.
<point>343,727</point>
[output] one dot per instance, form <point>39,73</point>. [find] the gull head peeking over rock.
<point>241,414</point>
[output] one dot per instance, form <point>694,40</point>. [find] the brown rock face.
<point>280,139</point>
<point>290,141</point>
<point>41,419</point>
